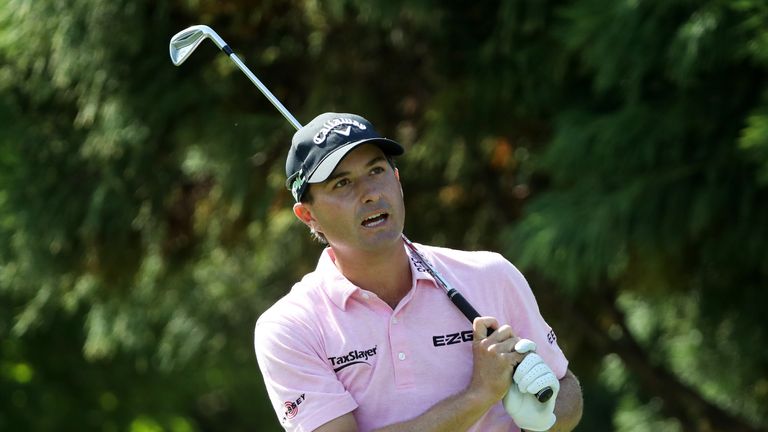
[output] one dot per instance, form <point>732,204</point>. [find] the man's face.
<point>360,207</point>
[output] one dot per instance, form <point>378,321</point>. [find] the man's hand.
<point>494,359</point>
<point>532,375</point>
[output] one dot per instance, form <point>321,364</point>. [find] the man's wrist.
<point>479,399</point>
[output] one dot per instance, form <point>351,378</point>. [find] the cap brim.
<point>326,166</point>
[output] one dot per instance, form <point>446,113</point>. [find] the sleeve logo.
<point>292,408</point>
<point>551,338</point>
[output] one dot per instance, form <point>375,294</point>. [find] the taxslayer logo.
<point>292,408</point>
<point>330,126</point>
<point>352,358</point>
<point>452,338</point>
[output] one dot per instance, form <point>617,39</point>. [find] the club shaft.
<point>461,303</point>
<point>264,90</point>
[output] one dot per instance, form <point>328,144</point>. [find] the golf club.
<point>184,43</point>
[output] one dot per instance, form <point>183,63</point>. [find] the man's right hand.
<point>494,359</point>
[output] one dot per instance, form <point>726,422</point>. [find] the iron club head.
<point>186,41</point>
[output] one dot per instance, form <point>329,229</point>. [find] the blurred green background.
<point>616,151</point>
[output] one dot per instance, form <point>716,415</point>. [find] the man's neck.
<point>387,272</point>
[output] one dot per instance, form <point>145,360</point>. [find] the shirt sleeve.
<point>526,320</point>
<point>303,389</point>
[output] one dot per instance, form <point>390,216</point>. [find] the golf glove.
<point>531,376</point>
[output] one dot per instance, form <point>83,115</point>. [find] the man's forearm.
<point>569,404</point>
<point>455,413</point>
<point>460,412</point>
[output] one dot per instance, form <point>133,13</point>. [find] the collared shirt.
<point>329,347</point>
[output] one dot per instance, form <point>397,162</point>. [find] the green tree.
<point>653,218</point>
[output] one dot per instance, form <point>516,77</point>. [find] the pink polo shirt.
<point>328,347</point>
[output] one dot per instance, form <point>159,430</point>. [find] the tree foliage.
<point>617,152</point>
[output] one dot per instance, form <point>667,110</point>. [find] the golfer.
<point>369,341</point>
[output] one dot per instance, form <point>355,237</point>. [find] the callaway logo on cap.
<point>321,144</point>
<point>332,126</point>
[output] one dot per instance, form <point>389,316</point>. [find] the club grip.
<point>544,394</point>
<point>464,306</point>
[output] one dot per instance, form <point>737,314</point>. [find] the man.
<point>368,341</point>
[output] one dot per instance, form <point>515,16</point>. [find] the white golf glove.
<point>531,376</point>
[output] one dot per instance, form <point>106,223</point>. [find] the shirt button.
<point>394,320</point>
<point>401,356</point>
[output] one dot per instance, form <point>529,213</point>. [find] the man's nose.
<point>370,191</point>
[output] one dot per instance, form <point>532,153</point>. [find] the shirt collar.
<point>417,268</point>
<point>339,289</point>
<point>336,286</point>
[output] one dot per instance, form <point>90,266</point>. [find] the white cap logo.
<point>329,126</point>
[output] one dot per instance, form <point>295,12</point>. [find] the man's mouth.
<point>375,220</point>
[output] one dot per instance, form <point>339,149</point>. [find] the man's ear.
<point>397,176</point>
<point>303,213</point>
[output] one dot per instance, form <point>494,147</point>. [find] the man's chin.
<point>380,240</point>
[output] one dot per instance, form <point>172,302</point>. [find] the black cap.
<point>321,144</point>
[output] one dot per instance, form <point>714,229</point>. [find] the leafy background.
<point>617,152</point>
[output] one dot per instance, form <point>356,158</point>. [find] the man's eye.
<point>377,170</point>
<point>340,183</point>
